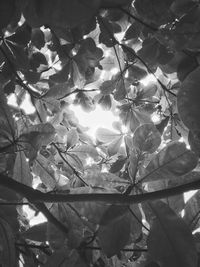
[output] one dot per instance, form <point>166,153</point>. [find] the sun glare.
<point>95,119</point>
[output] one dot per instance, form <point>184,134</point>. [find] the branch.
<point>125,249</point>
<point>35,196</point>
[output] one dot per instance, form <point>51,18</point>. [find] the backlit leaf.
<point>146,138</point>
<point>21,171</point>
<point>106,136</point>
<point>172,161</point>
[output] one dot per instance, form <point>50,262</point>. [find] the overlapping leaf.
<point>171,162</point>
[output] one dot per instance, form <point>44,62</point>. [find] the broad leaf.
<point>192,209</point>
<point>103,179</point>
<point>37,232</point>
<point>171,162</point>
<point>43,168</point>
<point>170,242</point>
<point>188,101</point>
<point>7,124</point>
<point>107,87</point>
<point>114,146</point>
<point>7,242</point>
<point>84,151</point>
<point>21,171</point>
<point>146,138</point>
<point>7,9</point>
<point>72,138</point>
<point>35,137</point>
<point>114,230</point>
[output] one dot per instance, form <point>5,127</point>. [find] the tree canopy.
<point>116,199</point>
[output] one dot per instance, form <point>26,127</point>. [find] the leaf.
<point>63,258</point>
<point>105,102</point>
<point>88,56</point>
<point>37,38</point>
<point>7,244</point>
<point>171,162</point>
<point>7,9</point>
<point>191,209</point>
<point>117,165</point>
<point>21,171</point>
<point>37,59</point>
<point>22,35</point>
<point>146,138</point>
<point>103,179</point>
<point>60,13</point>
<point>72,138</point>
<point>106,136</point>
<point>84,151</point>
<point>194,141</point>
<point>114,146</point>
<point>188,100</point>
<point>107,87</point>
<point>62,75</point>
<point>7,124</point>
<point>170,242</point>
<point>36,232</point>
<point>150,10</point>
<point>133,31</point>
<point>36,136</point>
<point>17,55</point>
<point>114,230</point>
<point>58,91</point>
<point>42,167</point>
<point>92,210</point>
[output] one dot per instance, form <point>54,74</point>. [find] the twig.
<point>125,249</point>
<point>73,169</point>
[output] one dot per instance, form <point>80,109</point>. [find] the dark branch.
<point>35,196</point>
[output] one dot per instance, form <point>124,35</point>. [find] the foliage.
<point>116,199</point>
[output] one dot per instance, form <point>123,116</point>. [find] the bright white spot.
<point>124,129</point>
<point>12,100</point>
<point>27,106</point>
<point>189,194</point>
<point>38,219</point>
<point>182,213</point>
<point>119,36</point>
<point>155,118</point>
<point>30,214</point>
<point>89,161</point>
<point>114,71</point>
<point>95,119</point>
<point>148,79</point>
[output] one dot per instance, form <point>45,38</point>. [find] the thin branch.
<point>77,91</point>
<point>35,196</point>
<point>73,169</point>
<point>139,221</point>
<point>125,249</point>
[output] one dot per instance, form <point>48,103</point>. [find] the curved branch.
<point>35,196</point>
